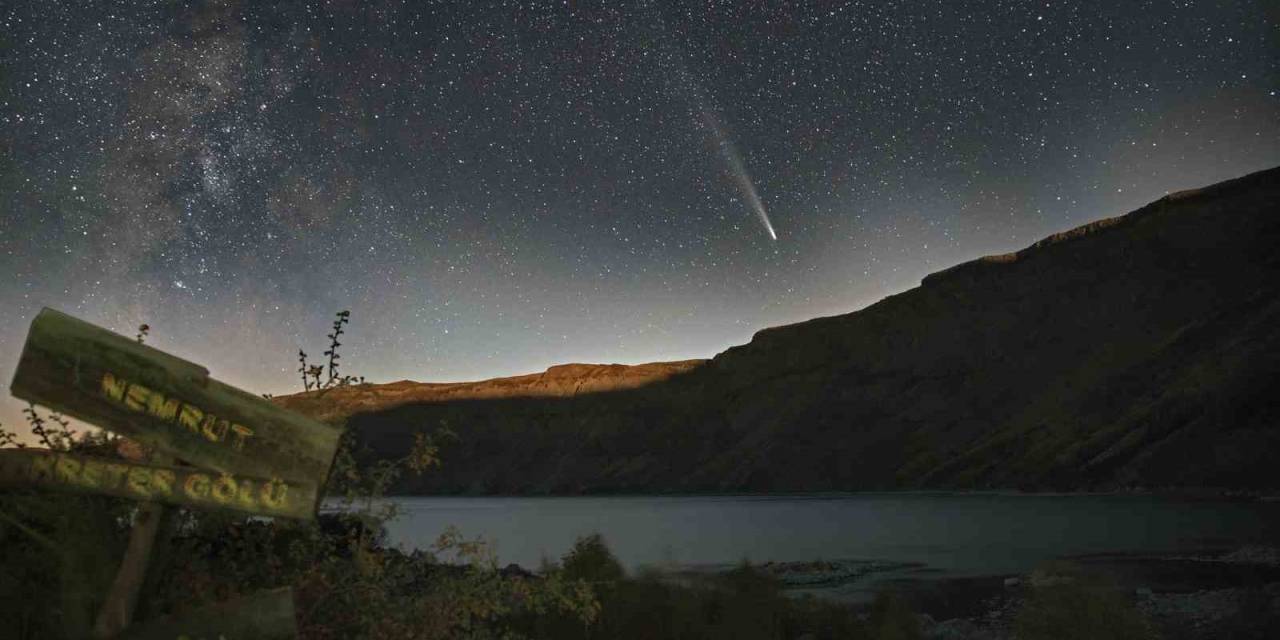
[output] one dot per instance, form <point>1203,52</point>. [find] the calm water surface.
<point>949,534</point>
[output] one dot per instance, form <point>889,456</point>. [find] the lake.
<point>937,534</point>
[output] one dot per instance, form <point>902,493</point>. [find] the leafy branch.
<point>314,375</point>
<point>56,438</point>
<point>304,370</point>
<point>9,439</point>
<point>343,318</point>
<point>350,481</point>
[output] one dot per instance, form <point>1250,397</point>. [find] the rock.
<point>1041,578</point>
<point>131,450</point>
<point>1254,554</point>
<point>559,381</point>
<point>957,629</point>
<point>514,570</point>
<point>1009,583</point>
<point>1201,609</point>
<point>1143,593</point>
<point>825,572</point>
<point>926,621</point>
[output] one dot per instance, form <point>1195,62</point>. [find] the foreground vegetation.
<point>60,552</point>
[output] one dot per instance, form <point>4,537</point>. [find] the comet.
<point>682,84</point>
<point>738,171</point>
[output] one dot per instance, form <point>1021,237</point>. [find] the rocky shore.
<point>1222,594</point>
<point>1212,595</point>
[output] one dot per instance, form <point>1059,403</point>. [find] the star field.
<point>493,190</point>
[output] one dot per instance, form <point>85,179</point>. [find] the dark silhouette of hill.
<point>1137,351</point>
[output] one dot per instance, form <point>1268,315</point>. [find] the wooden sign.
<point>190,486</point>
<point>266,615</point>
<point>169,403</point>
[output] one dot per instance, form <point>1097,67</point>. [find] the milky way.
<point>492,190</point>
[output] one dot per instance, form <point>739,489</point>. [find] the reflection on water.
<point>940,534</point>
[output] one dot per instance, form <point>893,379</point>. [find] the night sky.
<point>493,190</point>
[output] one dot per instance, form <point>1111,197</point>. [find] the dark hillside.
<point>1142,350</point>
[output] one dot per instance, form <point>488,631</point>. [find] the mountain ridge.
<point>1129,351</point>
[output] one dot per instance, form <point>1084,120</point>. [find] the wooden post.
<point>160,563</point>
<point>122,598</point>
<point>117,610</point>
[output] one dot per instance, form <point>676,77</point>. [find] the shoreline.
<point>1187,494</point>
<point>1193,596</point>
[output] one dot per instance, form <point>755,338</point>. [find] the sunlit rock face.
<point>560,381</point>
<point>1138,351</point>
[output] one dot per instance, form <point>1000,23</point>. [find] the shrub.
<point>590,560</point>
<point>1070,603</point>
<point>892,619</point>
<point>58,551</point>
<point>740,604</point>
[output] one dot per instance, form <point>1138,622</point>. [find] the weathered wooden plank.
<point>266,615</point>
<point>190,486</point>
<point>112,381</point>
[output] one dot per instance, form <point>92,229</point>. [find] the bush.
<point>1070,604</point>
<point>741,604</point>
<point>592,561</point>
<point>892,619</point>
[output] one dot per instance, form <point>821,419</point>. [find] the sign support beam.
<point>122,598</point>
